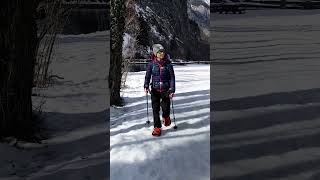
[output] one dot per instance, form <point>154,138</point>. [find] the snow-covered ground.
<point>181,154</point>
<point>75,117</point>
<point>266,93</point>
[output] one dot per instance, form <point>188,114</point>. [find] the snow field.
<point>177,154</point>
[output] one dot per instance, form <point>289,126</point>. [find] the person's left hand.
<point>171,95</point>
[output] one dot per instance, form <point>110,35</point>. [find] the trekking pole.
<point>148,122</point>
<point>174,118</point>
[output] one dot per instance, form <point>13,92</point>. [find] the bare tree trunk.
<point>17,58</point>
<point>117,29</point>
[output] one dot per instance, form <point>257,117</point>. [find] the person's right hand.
<point>146,90</point>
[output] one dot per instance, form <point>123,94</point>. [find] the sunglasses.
<point>160,51</point>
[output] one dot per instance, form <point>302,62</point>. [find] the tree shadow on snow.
<point>268,119</point>
<point>281,98</point>
<point>137,99</point>
<point>143,104</point>
<point>281,172</point>
<point>179,108</point>
<point>288,140</point>
<point>80,138</point>
<point>183,125</point>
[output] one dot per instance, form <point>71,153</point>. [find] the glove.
<point>146,90</point>
<point>170,93</point>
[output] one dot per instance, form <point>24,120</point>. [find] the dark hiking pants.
<point>160,99</point>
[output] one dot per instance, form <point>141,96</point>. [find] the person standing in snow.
<point>162,86</point>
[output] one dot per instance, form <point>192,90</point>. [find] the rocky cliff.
<point>168,23</point>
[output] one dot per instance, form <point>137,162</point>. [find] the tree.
<point>17,59</point>
<point>117,11</point>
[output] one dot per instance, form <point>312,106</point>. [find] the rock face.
<point>168,23</point>
<point>199,11</point>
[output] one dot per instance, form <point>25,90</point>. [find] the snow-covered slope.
<point>178,154</point>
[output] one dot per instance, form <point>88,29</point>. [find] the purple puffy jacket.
<point>162,73</point>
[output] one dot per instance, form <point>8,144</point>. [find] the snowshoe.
<point>156,132</point>
<point>166,121</point>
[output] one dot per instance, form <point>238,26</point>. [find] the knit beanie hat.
<point>156,48</point>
